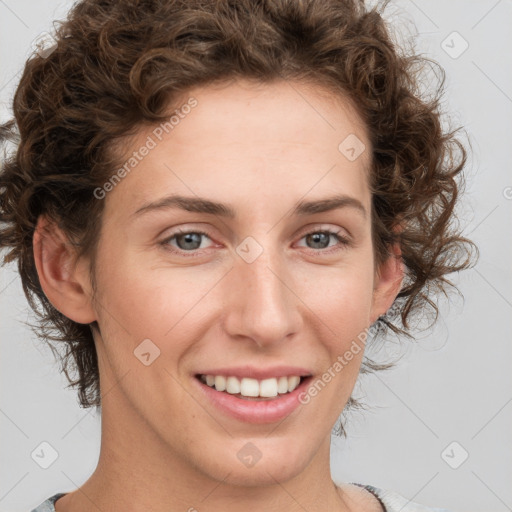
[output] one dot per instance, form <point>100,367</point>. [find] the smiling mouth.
<point>253,389</point>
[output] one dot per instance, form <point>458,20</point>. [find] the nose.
<point>261,304</point>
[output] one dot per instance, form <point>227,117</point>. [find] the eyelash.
<point>343,242</point>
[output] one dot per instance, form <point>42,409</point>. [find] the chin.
<point>254,462</point>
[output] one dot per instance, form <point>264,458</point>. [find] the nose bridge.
<point>261,306</point>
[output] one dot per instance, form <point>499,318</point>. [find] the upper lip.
<point>252,372</point>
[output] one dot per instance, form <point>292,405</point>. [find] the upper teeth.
<point>252,387</point>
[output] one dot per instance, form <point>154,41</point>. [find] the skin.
<point>260,149</point>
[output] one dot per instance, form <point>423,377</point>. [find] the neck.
<point>137,471</point>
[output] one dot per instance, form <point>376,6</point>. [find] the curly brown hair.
<point>118,64</point>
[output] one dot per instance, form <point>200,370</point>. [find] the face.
<point>267,287</point>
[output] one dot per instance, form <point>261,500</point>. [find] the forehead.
<point>278,112</point>
<point>249,137</point>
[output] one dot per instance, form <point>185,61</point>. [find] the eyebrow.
<point>203,205</point>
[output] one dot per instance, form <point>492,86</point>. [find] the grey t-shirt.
<point>390,501</point>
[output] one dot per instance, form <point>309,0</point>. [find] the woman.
<point>214,202</point>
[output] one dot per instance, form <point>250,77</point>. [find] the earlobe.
<point>388,283</point>
<point>62,278</point>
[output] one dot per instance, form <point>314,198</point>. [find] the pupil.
<point>190,238</point>
<point>320,238</point>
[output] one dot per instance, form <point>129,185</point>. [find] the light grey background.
<point>453,384</point>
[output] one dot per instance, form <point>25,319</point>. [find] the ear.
<point>387,283</point>
<point>64,279</point>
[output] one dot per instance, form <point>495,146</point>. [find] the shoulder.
<point>395,502</point>
<point>48,505</point>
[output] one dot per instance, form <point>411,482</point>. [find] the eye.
<point>319,240</point>
<point>186,241</point>
<point>190,241</point>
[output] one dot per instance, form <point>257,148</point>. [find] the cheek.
<point>341,297</point>
<point>148,295</point>
<point>341,301</point>
<point>160,303</point>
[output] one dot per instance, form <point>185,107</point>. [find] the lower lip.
<point>254,411</point>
